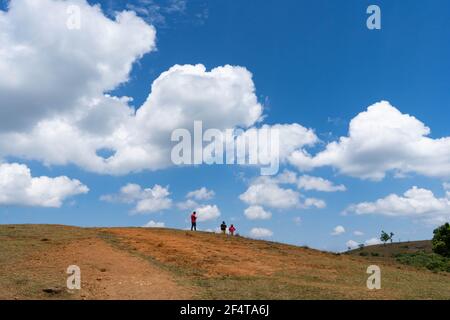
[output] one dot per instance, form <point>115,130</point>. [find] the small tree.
<point>385,237</point>
<point>441,240</point>
<point>391,236</point>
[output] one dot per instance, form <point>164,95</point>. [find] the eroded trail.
<point>110,273</point>
<point>106,272</point>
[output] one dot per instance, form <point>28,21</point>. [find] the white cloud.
<point>201,194</point>
<point>260,233</point>
<point>306,182</point>
<point>372,242</point>
<point>153,224</point>
<point>415,203</point>
<point>297,220</point>
<point>286,177</point>
<point>224,99</point>
<point>207,213</point>
<point>291,137</point>
<point>382,140</point>
<point>358,233</point>
<point>319,184</point>
<point>187,205</point>
<point>257,213</point>
<point>313,202</point>
<point>447,189</point>
<point>266,193</point>
<point>18,187</point>
<point>338,231</point>
<point>352,244</point>
<point>147,200</point>
<point>76,68</point>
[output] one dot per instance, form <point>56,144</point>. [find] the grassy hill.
<point>414,253</point>
<point>390,250</point>
<point>136,263</point>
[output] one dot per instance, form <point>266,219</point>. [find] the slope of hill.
<point>414,253</point>
<point>135,263</point>
<point>390,250</point>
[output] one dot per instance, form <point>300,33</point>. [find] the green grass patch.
<point>431,261</point>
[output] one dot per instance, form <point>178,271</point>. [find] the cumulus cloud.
<point>260,233</point>
<point>415,203</point>
<point>153,224</point>
<point>207,213</point>
<point>201,194</point>
<point>372,242</point>
<point>291,137</point>
<point>358,233</point>
<point>286,177</point>
<point>265,193</point>
<point>307,182</point>
<point>338,231</point>
<point>382,140</point>
<point>352,244</point>
<point>224,99</point>
<point>187,205</point>
<point>447,189</point>
<point>76,68</point>
<point>257,213</point>
<point>147,200</point>
<point>270,192</point>
<point>319,184</point>
<point>18,187</point>
<point>313,202</point>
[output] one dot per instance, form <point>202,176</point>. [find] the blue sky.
<point>314,63</point>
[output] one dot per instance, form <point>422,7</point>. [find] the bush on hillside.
<point>431,261</point>
<point>441,240</point>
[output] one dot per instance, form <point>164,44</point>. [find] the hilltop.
<point>414,253</point>
<point>390,250</point>
<point>138,263</point>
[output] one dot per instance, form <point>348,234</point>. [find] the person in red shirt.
<point>232,229</point>
<point>194,221</point>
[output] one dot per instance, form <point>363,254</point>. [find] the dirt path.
<point>106,272</point>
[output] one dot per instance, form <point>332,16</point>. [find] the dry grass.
<point>195,265</point>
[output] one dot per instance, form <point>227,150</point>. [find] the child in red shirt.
<point>232,229</point>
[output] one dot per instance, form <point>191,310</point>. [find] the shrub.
<point>441,240</point>
<point>431,261</point>
<point>363,254</point>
